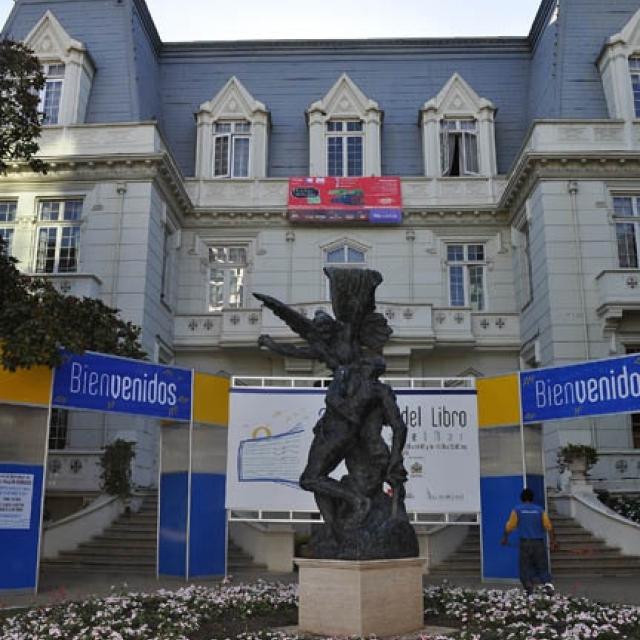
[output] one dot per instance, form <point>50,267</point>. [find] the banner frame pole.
<point>159,504</point>
<point>522,439</point>
<point>189,474</point>
<point>44,482</point>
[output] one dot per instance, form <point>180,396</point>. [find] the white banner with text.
<point>271,430</point>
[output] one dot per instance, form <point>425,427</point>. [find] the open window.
<point>232,135</point>
<point>458,136</point>
<point>344,132</point>
<point>68,70</point>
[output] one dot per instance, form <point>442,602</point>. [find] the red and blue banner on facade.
<point>372,200</point>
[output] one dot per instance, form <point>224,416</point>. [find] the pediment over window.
<point>232,138</point>
<point>457,97</point>
<point>346,100</point>
<point>66,94</point>
<point>49,40</point>
<point>458,132</point>
<point>619,66</point>
<point>233,101</point>
<point>345,108</point>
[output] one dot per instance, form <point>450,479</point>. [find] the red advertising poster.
<point>367,200</point>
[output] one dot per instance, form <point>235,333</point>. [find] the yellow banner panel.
<point>211,399</point>
<point>26,386</point>
<point>498,401</point>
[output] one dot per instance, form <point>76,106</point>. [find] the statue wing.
<point>298,323</point>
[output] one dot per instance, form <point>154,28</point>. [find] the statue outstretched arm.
<point>286,350</point>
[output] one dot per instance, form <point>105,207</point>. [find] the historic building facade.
<point>166,197</point>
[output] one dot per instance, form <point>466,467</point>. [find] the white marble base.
<point>348,598</point>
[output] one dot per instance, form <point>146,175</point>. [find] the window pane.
<point>634,64</point>
<point>223,127</point>
<point>58,429</point>
<point>354,126</point>
<point>627,245</point>
<point>635,83</point>
<point>334,156</point>
<point>475,252</point>
<point>467,125</point>
<point>456,286</point>
<point>335,256</point>
<point>243,127</point>
<point>623,206</point>
<point>55,70</point>
<point>7,236</point>
<point>68,261</point>
<point>455,252</point>
<point>333,125</point>
<point>241,157</point>
<point>476,287</point>
<point>221,162</point>
<point>471,153</point>
<point>46,257</point>
<point>237,255</point>
<point>51,101</point>
<point>216,289</point>
<point>50,209</point>
<point>236,287</point>
<point>353,255</point>
<point>354,156</point>
<point>7,211</point>
<point>72,209</point>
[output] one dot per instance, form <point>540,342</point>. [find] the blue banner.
<point>598,387</point>
<point>119,385</point>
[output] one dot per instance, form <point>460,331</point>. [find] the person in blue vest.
<point>533,524</point>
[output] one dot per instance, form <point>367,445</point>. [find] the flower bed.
<point>626,506</point>
<point>247,612</point>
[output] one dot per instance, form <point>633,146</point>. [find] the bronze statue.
<point>362,522</point>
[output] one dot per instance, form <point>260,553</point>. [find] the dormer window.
<point>68,71</point>
<point>458,132</point>
<point>232,135</point>
<point>51,93</point>
<point>231,149</point>
<point>459,147</point>
<point>344,132</point>
<point>345,143</point>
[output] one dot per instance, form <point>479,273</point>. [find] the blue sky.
<point>266,19</point>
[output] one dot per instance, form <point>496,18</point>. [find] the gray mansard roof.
<point>549,74</point>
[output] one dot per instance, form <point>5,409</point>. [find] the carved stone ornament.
<point>361,520</point>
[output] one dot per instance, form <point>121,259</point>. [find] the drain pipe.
<point>121,189</point>
<point>572,187</point>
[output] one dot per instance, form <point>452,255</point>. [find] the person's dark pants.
<point>534,563</point>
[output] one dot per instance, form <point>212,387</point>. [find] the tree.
<point>37,321</point>
<point>21,80</point>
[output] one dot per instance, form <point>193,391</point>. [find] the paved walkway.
<point>60,585</point>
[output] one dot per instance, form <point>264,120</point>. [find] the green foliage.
<point>571,452</point>
<point>36,321</point>
<point>21,79</point>
<point>116,468</point>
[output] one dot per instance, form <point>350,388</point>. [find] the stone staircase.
<point>580,554</point>
<point>128,546</point>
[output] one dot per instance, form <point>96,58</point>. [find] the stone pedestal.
<point>350,598</point>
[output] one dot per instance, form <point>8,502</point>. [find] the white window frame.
<point>227,268</point>
<point>464,134</point>
<point>634,76</point>
<point>59,226</point>
<point>466,264</point>
<point>346,136</point>
<point>8,225</point>
<point>633,219</point>
<point>345,246</point>
<point>526,272</point>
<point>54,77</point>
<point>238,130</point>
